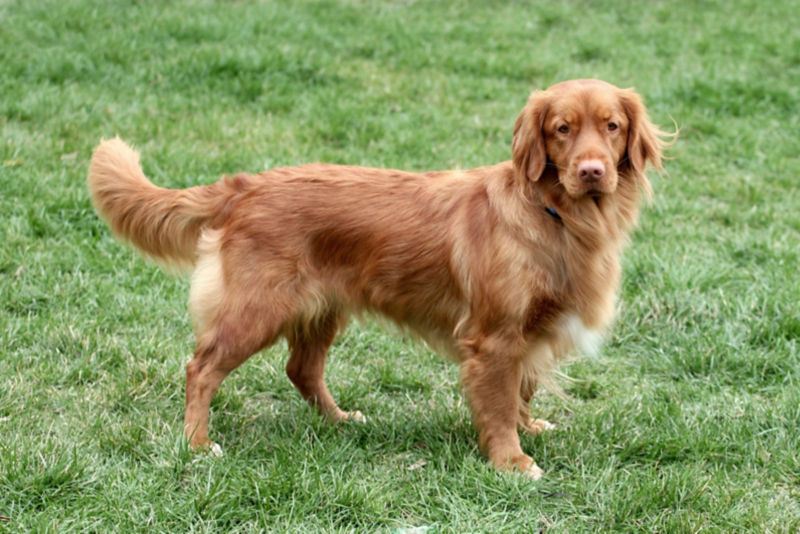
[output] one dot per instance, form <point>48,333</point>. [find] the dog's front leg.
<point>491,374</point>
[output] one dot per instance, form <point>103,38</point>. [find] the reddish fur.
<point>469,260</point>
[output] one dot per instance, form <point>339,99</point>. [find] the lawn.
<point>688,420</point>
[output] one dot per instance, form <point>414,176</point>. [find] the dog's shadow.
<point>393,437</point>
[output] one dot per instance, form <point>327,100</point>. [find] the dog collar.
<point>552,211</point>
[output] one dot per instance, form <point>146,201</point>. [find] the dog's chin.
<point>595,196</point>
<point>596,191</point>
<point>581,192</point>
<point>578,189</point>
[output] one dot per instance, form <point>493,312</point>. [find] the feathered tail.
<point>164,224</point>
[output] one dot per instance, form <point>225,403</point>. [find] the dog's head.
<point>587,132</point>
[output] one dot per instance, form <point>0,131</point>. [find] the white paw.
<point>545,425</point>
<point>534,472</point>
<point>536,426</point>
<point>357,416</point>
<point>215,450</point>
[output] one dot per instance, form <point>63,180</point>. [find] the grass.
<point>689,419</point>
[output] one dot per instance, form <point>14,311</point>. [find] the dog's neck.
<point>594,221</point>
<point>595,229</point>
<point>552,211</point>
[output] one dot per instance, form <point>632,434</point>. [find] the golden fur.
<point>471,260</point>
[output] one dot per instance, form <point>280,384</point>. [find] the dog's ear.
<point>644,141</point>
<point>528,149</point>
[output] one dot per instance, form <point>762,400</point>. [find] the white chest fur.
<point>585,340</point>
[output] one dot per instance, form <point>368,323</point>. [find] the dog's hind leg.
<point>238,331</point>
<point>234,317</point>
<point>526,391</point>
<point>309,344</point>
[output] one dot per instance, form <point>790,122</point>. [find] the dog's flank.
<point>504,268</point>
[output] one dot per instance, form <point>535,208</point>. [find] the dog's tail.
<point>164,224</point>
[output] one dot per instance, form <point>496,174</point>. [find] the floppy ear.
<point>528,149</point>
<point>644,142</point>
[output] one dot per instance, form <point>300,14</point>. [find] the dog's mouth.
<point>580,189</point>
<point>600,189</point>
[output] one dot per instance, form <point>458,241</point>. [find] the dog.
<point>505,269</point>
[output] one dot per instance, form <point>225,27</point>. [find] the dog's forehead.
<point>574,102</point>
<point>587,83</point>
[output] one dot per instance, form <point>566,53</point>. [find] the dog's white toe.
<point>537,426</point>
<point>357,416</point>
<point>534,472</point>
<point>545,425</point>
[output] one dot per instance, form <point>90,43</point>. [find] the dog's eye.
<point>612,126</point>
<point>564,129</point>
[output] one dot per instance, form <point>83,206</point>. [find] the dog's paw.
<point>339,416</point>
<point>537,426</point>
<point>523,465</point>
<point>207,450</point>
<point>534,472</point>
<point>215,450</point>
<point>355,416</point>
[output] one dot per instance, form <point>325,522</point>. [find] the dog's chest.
<point>547,317</point>
<point>584,340</point>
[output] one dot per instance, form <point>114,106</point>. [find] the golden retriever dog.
<point>505,269</point>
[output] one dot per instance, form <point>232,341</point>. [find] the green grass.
<point>688,421</point>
